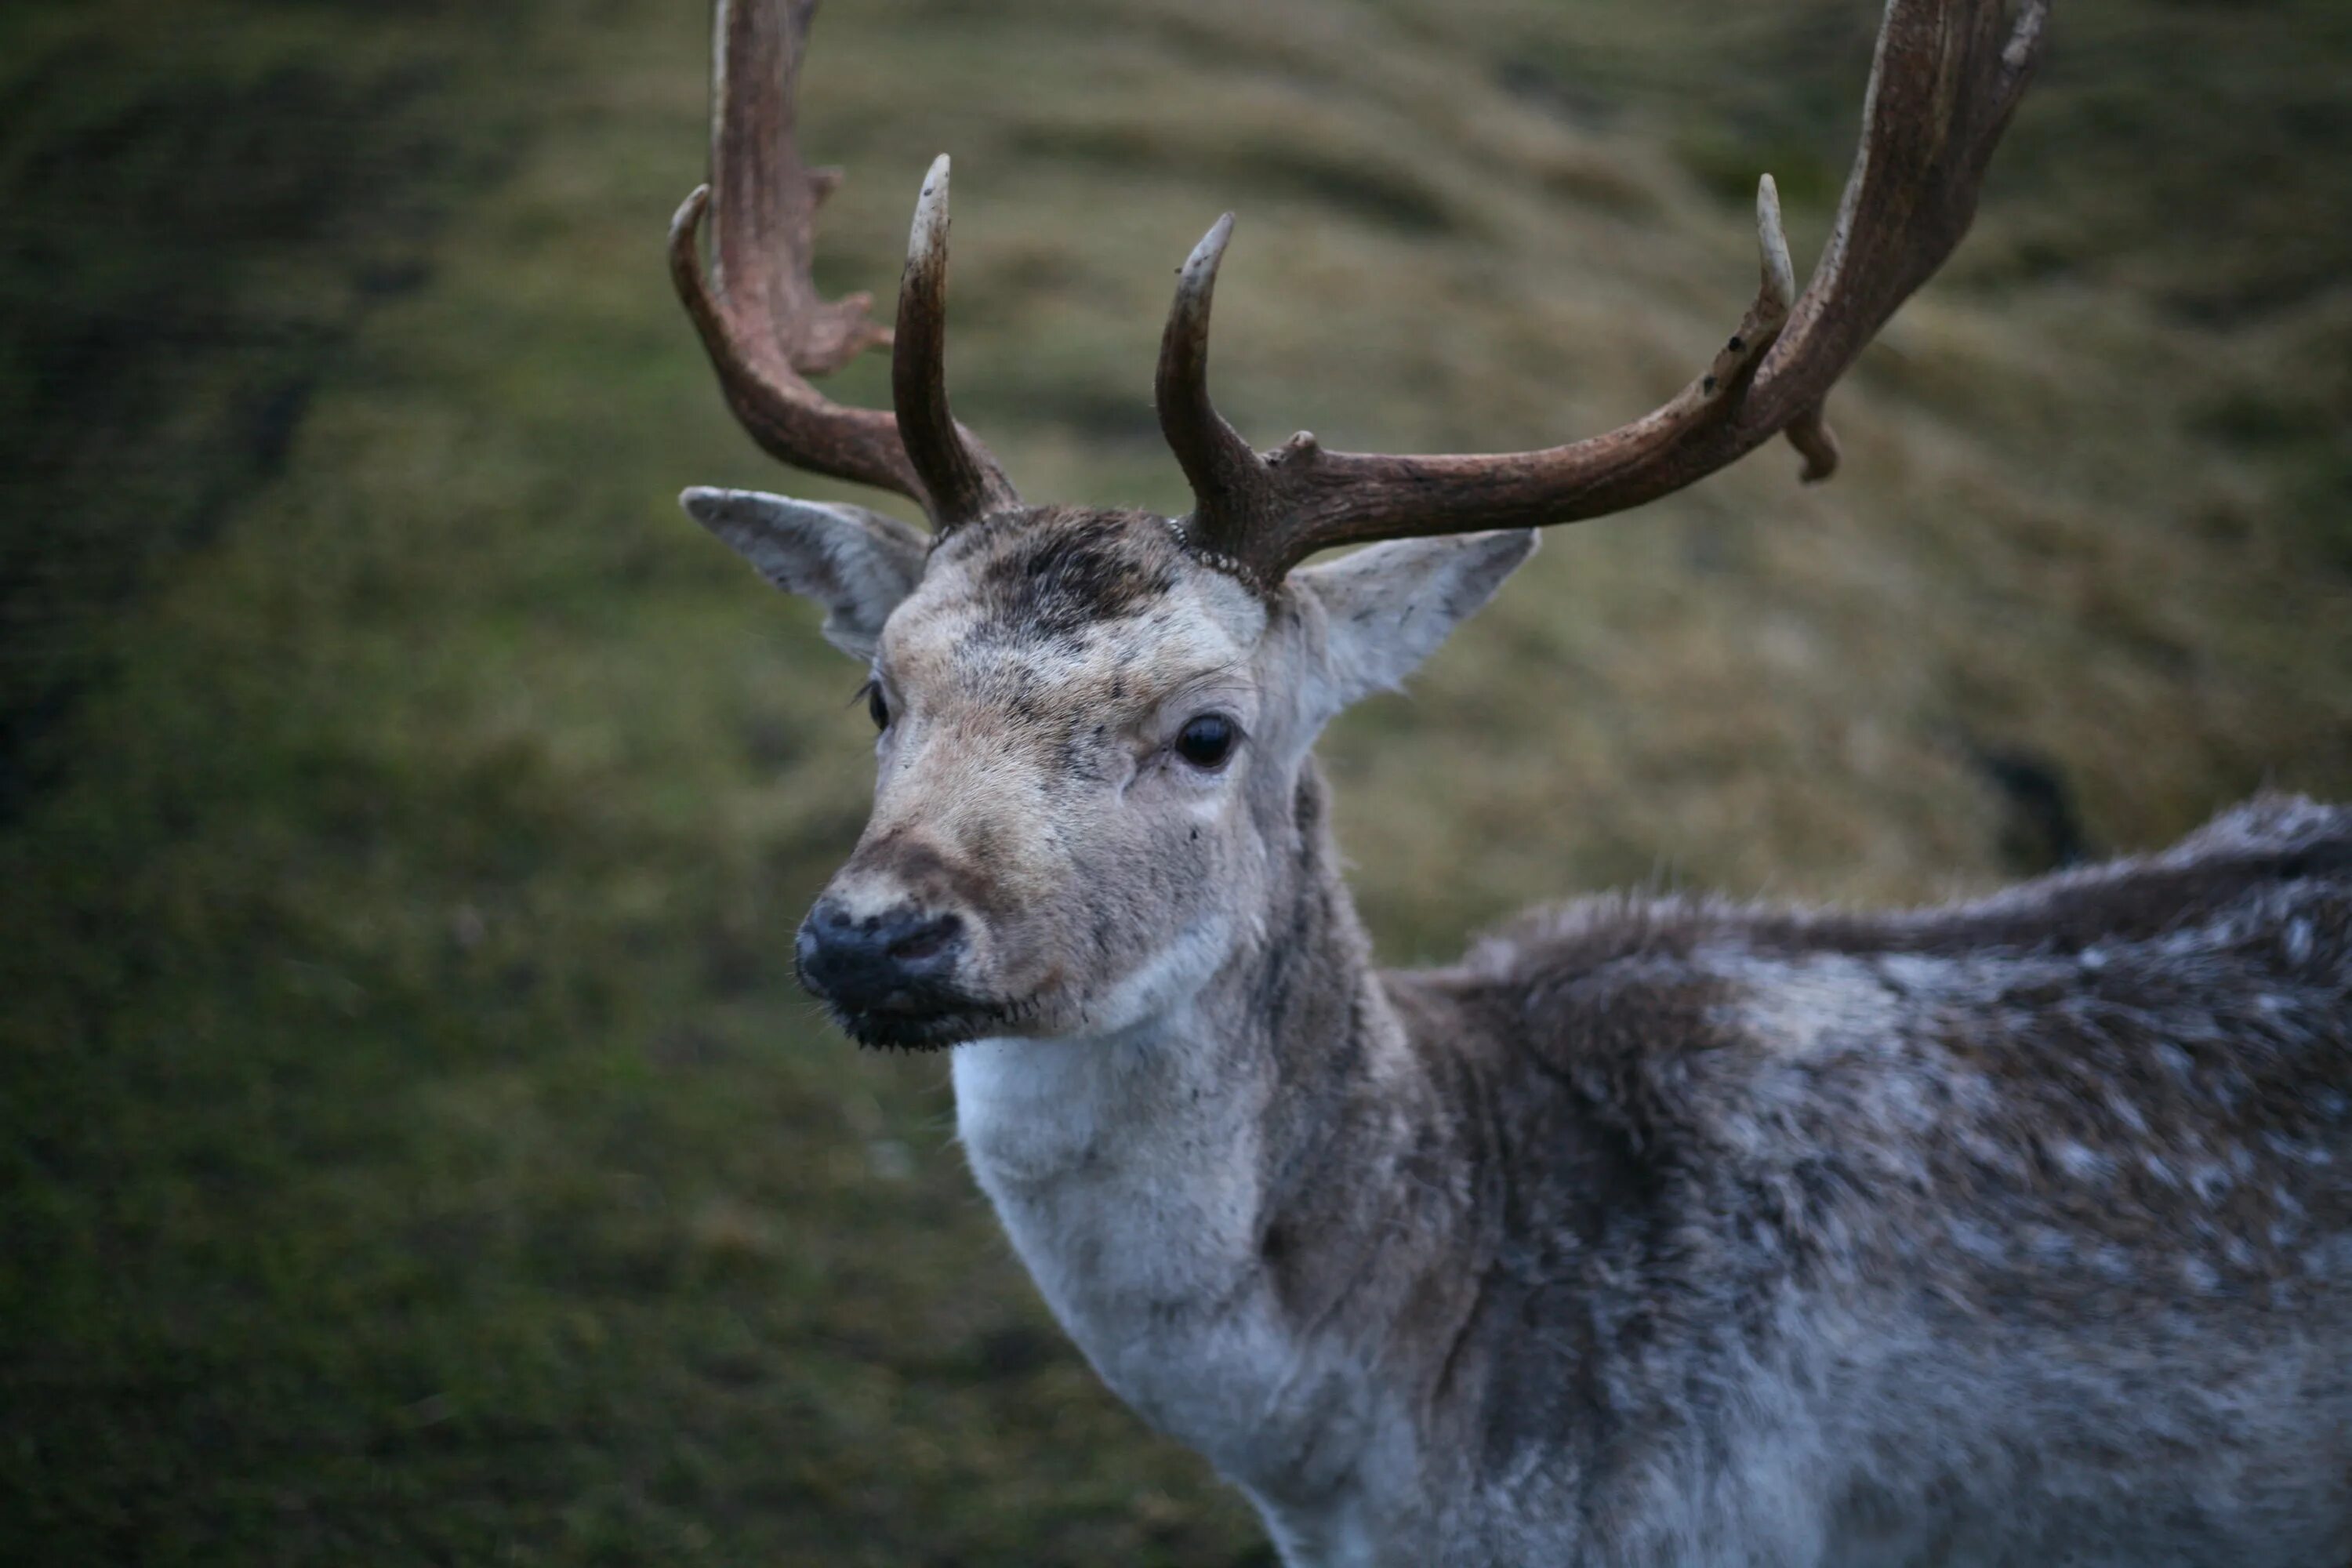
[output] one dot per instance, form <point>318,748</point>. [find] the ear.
<point>1388,607</point>
<point>857,564</point>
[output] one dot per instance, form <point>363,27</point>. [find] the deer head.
<point>1094,723</point>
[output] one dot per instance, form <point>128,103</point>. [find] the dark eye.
<point>877,706</point>
<point>1206,742</point>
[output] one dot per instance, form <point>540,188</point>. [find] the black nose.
<point>901,960</point>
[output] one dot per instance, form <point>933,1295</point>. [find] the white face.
<point>1088,747</point>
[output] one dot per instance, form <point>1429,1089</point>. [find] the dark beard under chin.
<point>939,1031</point>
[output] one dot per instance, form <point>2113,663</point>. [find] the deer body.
<point>2009,1233</point>
<point>1682,1234</point>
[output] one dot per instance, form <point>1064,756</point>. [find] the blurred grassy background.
<point>415,1148</point>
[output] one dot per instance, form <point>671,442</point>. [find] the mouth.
<point>931,1029</point>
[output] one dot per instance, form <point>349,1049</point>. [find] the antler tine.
<point>965,482</point>
<point>756,309</point>
<point>1944,79</point>
<point>1227,477</point>
<point>1806,432</point>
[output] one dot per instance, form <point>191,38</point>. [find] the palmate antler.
<point>1946,76</point>
<point>762,319</point>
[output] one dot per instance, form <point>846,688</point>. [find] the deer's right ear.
<point>1387,607</point>
<point>857,564</point>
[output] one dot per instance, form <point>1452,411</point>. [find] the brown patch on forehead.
<point>1057,572</point>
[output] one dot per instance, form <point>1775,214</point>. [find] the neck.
<point>1200,1196</point>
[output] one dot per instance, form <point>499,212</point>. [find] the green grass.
<point>416,1150</point>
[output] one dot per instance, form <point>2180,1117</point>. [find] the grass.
<point>415,1148</point>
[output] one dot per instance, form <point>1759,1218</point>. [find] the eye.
<point>1206,741</point>
<point>876,706</point>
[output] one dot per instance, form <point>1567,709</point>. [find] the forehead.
<point>1069,596</point>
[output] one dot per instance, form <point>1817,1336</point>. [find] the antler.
<point>1947,75</point>
<point>761,320</point>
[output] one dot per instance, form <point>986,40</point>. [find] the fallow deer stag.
<point>1652,1232</point>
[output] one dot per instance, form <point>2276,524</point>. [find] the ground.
<point>415,1148</point>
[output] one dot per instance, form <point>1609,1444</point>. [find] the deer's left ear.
<point>1386,608</point>
<point>857,564</point>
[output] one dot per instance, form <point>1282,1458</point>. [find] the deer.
<point>1654,1230</point>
